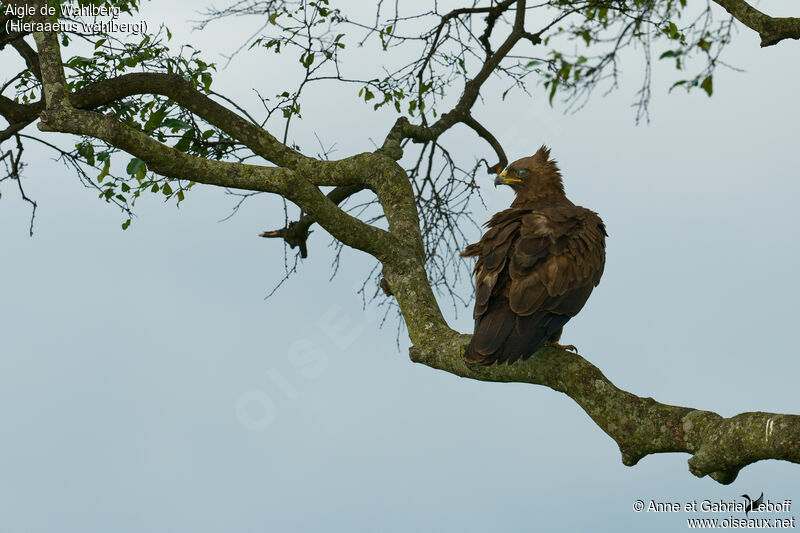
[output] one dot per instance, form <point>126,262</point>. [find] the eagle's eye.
<point>522,171</point>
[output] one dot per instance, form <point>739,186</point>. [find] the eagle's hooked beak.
<point>503,179</point>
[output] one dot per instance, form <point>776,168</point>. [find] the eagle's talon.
<point>565,347</point>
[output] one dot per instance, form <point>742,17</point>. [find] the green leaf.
<point>155,120</point>
<point>176,124</point>
<point>565,70</point>
<point>707,85</point>
<point>206,77</point>
<point>126,224</point>
<point>104,172</point>
<point>677,84</point>
<point>553,87</point>
<point>671,31</point>
<point>136,166</point>
<point>166,189</point>
<point>87,151</point>
<point>184,143</point>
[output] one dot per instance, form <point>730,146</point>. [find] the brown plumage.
<point>537,264</point>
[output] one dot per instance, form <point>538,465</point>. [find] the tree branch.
<point>421,133</point>
<point>61,116</point>
<point>720,447</point>
<point>487,136</point>
<point>296,233</point>
<point>493,12</point>
<point>368,170</point>
<point>461,111</point>
<point>179,90</point>
<point>772,30</point>
<point>12,130</point>
<point>173,163</point>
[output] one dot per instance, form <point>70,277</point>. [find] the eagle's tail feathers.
<point>503,337</point>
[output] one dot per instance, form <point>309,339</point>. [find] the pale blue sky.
<point>126,354</point>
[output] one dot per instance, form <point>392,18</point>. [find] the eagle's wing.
<point>535,271</point>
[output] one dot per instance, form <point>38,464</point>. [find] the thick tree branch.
<point>61,116</point>
<point>182,92</point>
<point>772,30</point>
<point>173,163</point>
<point>179,90</point>
<point>12,130</point>
<point>54,81</point>
<point>295,181</point>
<point>14,112</point>
<point>720,447</point>
<point>375,171</point>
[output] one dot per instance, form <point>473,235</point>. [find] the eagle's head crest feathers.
<point>533,177</point>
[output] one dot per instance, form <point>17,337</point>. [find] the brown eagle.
<point>537,264</point>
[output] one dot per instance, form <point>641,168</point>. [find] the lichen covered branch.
<point>720,447</point>
<point>772,30</point>
<point>61,116</point>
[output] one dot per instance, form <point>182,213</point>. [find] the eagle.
<point>537,264</point>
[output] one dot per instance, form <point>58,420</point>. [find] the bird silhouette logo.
<point>753,505</point>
